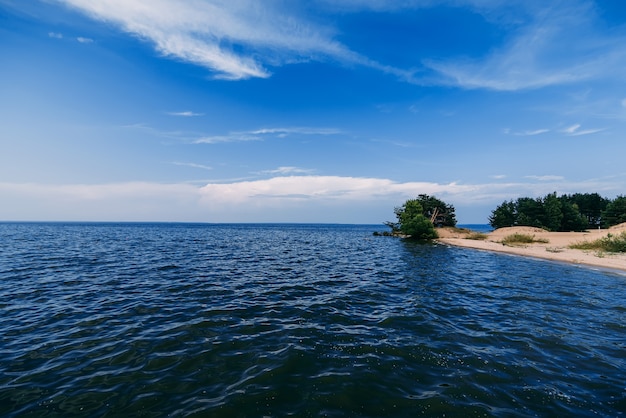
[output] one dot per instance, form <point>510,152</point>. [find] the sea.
<point>278,320</point>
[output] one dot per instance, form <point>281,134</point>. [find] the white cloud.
<point>551,46</point>
<point>546,178</point>
<point>574,130</point>
<point>526,133</point>
<point>80,39</point>
<point>232,137</point>
<point>623,102</point>
<point>261,134</point>
<point>277,199</point>
<point>397,143</point>
<point>193,165</point>
<point>186,113</point>
<point>571,129</point>
<point>235,39</point>
<point>587,132</point>
<point>242,39</point>
<point>283,132</point>
<point>288,170</point>
<point>324,190</point>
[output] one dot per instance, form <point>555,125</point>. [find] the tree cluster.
<point>575,212</point>
<point>418,217</point>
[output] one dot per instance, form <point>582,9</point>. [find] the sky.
<point>321,111</point>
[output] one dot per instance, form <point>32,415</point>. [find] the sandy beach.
<point>555,248</point>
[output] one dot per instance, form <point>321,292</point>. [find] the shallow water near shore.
<point>106,320</point>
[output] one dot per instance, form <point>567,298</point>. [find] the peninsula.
<point>546,245</point>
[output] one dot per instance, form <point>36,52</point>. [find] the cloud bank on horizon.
<point>290,197</point>
<point>301,110</point>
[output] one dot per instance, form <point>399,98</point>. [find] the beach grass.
<point>478,236</point>
<point>519,239</point>
<point>611,243</point>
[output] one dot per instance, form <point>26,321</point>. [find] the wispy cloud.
<point>571,129</point>
<point>186,113</point>
<point>401,144</point>
<point>282,132</point>
<point>551,46</point>
<point>80,39</point>
<point>282,171</point>
<point>245,38</point>
<point>263,133</point>
<point>546,178</point>
<point>575,130</point>
<point>232,137</point>
<point>235,39</point>
<point>193,165</point>
<point>147,129</point>
<point>526,133</point>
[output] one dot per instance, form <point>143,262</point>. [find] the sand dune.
<point>555,248</point>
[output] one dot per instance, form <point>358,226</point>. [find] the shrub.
<point>478,236</point>
<point>610,243</point>
<point>412,222</point>
<point>514,239</point>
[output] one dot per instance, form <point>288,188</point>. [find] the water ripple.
<point>274,320</point>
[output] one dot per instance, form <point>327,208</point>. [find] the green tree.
<point>615,212</point>
<point>504,215</point>
<point>441,213</point>
<point>412,222</point>
<point>552,212</point>
<point>591,206</point>
<point>530,212</point>
<point>572,220</point>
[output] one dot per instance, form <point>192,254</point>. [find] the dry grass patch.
<point>520,239</point>
<point>478,236</point>
<point>611,243</point>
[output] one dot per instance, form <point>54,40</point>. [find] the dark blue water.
<point>483,228</point>
<point>107,320</point>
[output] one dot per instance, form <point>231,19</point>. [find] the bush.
<point>419,227</point>
<point>412,222</point>
<point>610,243</point>
<point>478,236</point>
<point>514,239</point>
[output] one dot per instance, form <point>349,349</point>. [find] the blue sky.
<point>305,111</point>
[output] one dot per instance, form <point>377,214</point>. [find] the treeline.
<point>575,212</point>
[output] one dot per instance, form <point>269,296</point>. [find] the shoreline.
<point>556,247</point>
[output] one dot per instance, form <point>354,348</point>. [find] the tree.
<point>503,216</point>
<point>552,212</point>
<point>591,206</point>
<point>615,212</point>
<point>572,220</point>
<point>562,213</point>
<point>530,212</point>
<point>438,211</point>
<point>412,222</point>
